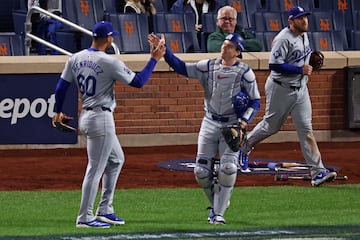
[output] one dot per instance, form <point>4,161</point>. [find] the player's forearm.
<point>60,91</point>
<point>174,62</point>
<point>285,68</point>
<point>141,78</point>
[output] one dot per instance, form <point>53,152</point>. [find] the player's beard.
<point>301,28</point>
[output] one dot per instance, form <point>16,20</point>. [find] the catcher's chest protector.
<point>223,83</point>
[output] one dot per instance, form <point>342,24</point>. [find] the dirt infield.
<point>63,169</point>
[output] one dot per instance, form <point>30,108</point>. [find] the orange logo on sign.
<point>176,25</point>
<point>129,27</point>
<point>174,45</point>
<point>342,5</point>
<point>324,44</point>
<point>3,49</point>
<point>324,24</point>
<point>237,5</point>
<point>274,24</point>
<point>85,8</point>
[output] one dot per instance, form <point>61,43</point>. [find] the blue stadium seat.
<point>11,44</point>
<point>181,42</point>
<point>161,6</point>
<point>282,6</point>
<point>177,22</point>
<point>19,18</point>
<point>109,6</point>
<point>131,40</point>
<point>268,39</point>
<point>273,21</point>
<point>309,5</point>
<point>260,36</point>
<point>209,22</point>
<point>67,41</point>
<point>355,40</point>
<point>259,22</point>
<point>322,41</point>
<point>252,7</point>
<point>322,20</point>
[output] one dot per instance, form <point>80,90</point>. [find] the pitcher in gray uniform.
<point>223,80</point>
<point>287,93</point>
<point>95,73</point>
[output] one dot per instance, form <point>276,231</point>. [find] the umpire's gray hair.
<point>224,8</point>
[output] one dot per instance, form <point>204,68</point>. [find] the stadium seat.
<point>322,20</point>
<point>67,41</point>
<point>177,22</point>
<point>260,36</point>
<point>252,7</point>
<point>19,18</point>
<point>273,21</point>
<point>322,41</point>
<point>268,39</point>
<point>209,22</point>
<point>181,42</point>
<point>11,44</point>
<point>281,6</point>
<point>355,40</point>
<point>131,38</point>
<point>307,4</point>
<point>161,6</point>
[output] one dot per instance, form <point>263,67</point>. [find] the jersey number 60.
<point>87,85</point>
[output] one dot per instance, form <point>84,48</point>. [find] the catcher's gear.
<point>240,103</point>
<point>316,60</point>
<point>60,122</point>
<point>234,136</point>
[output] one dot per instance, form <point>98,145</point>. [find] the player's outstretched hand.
<point>157,46</point>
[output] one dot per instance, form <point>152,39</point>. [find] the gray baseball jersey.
<point>95,73</point>
<point>292,49</point>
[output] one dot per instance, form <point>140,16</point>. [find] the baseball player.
<point>95,72</point>
<point>287,93</point>
<point>222,80</point>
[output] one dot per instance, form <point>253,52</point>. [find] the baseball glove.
<point>234,136</point>
<point>60,122</point>
<point>316,60</point>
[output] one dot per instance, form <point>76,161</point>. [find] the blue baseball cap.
<point>238,41</point>
<point>296,12</point>
<point>103,29</point>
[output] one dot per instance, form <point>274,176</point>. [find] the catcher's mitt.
<point>234,136</point>
<point>316,60</point>
<point>60,122</point>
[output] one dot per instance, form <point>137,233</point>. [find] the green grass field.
<point>330,210</point>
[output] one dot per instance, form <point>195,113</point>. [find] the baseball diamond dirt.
<point>63,169</point>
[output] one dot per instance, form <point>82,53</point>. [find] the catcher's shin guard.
<point>222,192</point>
<point>204,177</point>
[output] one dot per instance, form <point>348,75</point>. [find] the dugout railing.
<point>29,36</point>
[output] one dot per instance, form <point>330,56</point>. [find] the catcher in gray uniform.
<point>287,93</point>
<point>223,79</point>
<point>95,72</point>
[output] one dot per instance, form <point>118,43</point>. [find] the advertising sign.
<point>27,107</point>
